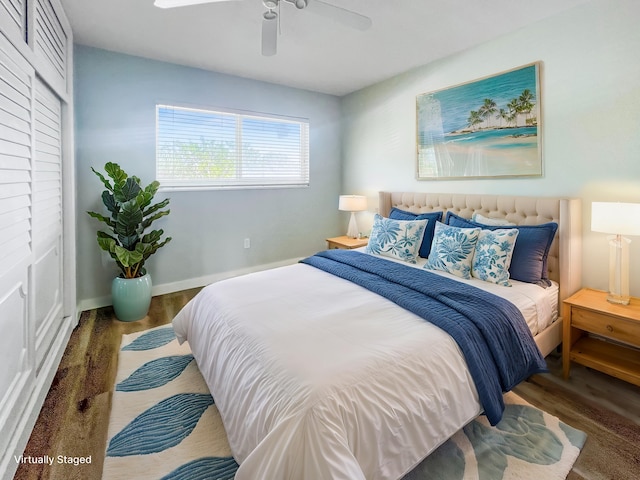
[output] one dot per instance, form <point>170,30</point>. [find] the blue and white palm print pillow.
<point>452,250</point>
<point>399,239</point>
<point>492,257</point>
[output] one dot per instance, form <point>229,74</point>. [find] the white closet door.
<point>16,96</point>
<point>13,16</point>
<point>47,219</point>
<point>50,39</point>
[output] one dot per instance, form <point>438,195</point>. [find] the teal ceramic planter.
<point>131,297</point>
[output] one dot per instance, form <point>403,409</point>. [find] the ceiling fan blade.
<point>339,14</point>
<point>183,3</point>
<point>269,35</point>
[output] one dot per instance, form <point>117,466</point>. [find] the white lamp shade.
<point>615,218</point>
<point>352,203</point>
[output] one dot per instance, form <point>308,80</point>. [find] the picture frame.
<point>485,128</point>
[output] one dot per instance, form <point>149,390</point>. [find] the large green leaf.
<point>110,202</point>
<point>106,182</point>
<point>143,199</point>
<point>129,241</point>
<point>116,173</point>
<point>106,242</point>
<point>127,191</point>
<point>155,247</point>
<point>152,237</point>
<point>128,258</point>
<point>102,218</point>
<point>152,188</point>
<point>129,219</point>
<point>109,245</point>
<point>148,221</point>
<point>156,207</point>
<point>146,249</point>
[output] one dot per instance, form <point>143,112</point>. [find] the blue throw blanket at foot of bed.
<point>491,331</point>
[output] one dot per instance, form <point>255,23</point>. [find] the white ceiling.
<point>314,52</point>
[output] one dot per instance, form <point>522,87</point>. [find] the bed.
<point>316,376</point>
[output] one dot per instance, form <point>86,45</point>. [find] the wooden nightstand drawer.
<point>606,325</point>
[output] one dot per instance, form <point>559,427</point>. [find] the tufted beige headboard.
<point>565,255</point>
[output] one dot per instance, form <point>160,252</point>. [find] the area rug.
<point>164,424</point>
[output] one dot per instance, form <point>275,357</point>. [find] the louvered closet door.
<point>47,219</point>
<point>16,93</point>
<point>13,17</point>
<point>50,41</point>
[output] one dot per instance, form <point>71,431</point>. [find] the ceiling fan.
<point>270,17</point>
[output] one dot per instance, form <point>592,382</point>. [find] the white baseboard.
<point>31,410</point>
<point>91,303</point>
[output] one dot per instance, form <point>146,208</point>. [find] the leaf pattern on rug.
<point>575,436</point>
<point>155,373</point>
<point>525,436</point>
<point>160,427</point>
<point>152,339</point>
<point>218,468</point>
<point>522,433</point>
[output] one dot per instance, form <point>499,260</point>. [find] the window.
<point>203,148</point>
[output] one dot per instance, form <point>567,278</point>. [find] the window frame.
<point>303,181</point>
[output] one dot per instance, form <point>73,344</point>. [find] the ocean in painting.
<point>499,138</point>
<point>488,127</point>
<point>456,103</point>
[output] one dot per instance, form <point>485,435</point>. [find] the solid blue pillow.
<point>529,259</point>
<point>432,217</point>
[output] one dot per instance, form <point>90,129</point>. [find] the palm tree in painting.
<point>516,106</point>
<point>474,119</point>
<point>526,103</point>
<point>502,115</point>
<point>514,110</point>
<point>487,109</point>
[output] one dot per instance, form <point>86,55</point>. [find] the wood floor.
<point>74,418</point>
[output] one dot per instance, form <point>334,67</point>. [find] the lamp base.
<point>352,231</point>
<point>618,270</point>
<point>618,299</point>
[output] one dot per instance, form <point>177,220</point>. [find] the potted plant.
<point>131,213</point>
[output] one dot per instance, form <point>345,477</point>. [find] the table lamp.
<point>352,203</point>
<point>619,219</point>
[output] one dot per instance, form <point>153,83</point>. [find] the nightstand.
<point>613,346</point>
<point>346,243</point>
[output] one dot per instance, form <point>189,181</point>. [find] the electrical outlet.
<point>247,243</point>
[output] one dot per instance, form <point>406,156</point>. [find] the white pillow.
<point>396,238</point>
<point>452,250</point>
<point>494,222</point>
<point>492,256</point>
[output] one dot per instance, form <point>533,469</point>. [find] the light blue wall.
<point>591,119</point>
<point>115,99</point>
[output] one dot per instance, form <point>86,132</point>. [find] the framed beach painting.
<point>485,128</point>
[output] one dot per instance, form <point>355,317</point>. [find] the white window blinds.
<point>203,148</point>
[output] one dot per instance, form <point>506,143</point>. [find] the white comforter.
<point>318,378</point>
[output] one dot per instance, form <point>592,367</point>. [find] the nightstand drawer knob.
<point>609,328</point>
